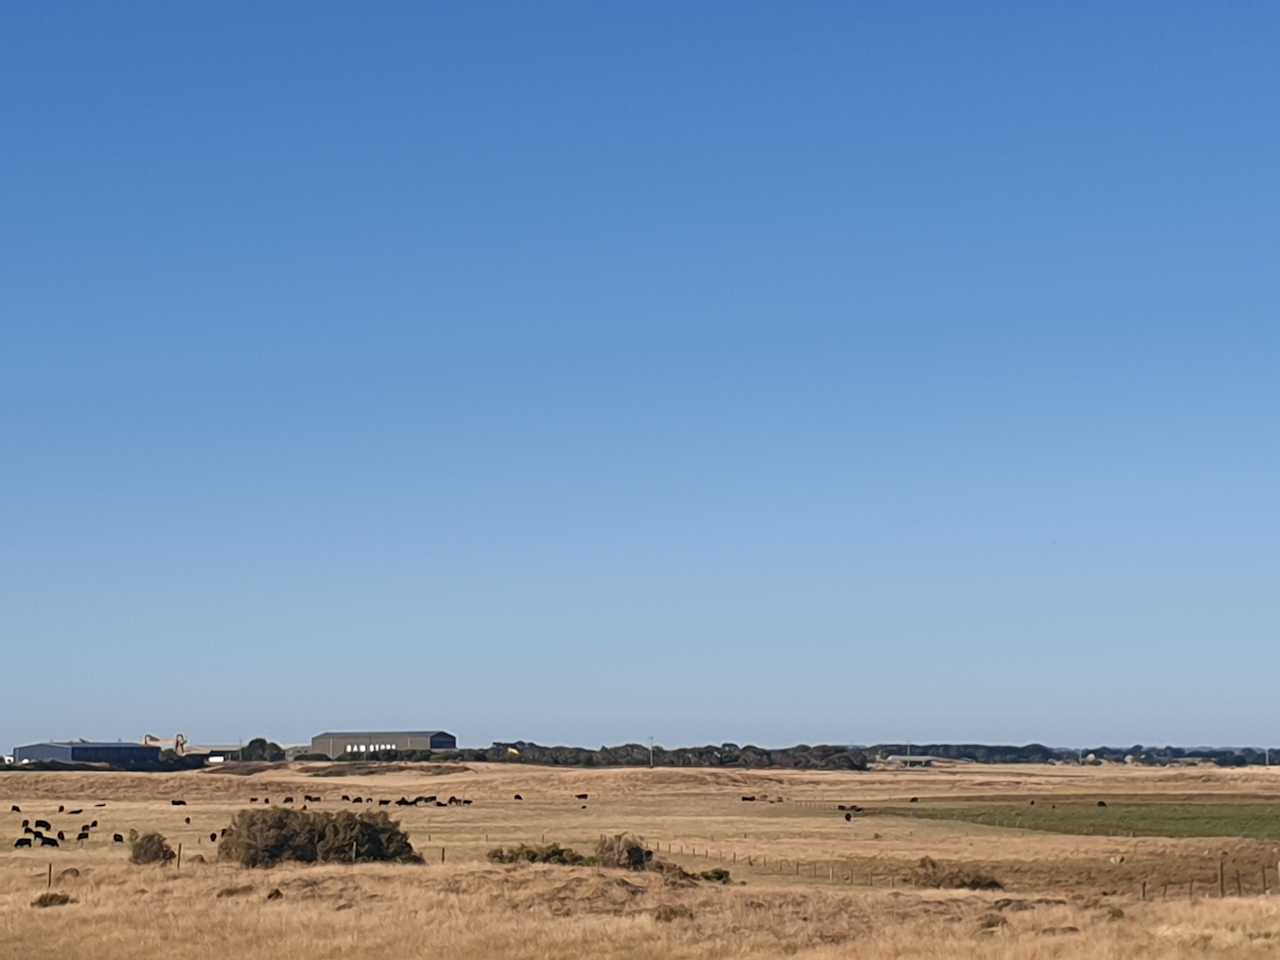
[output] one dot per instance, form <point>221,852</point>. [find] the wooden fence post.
<point>49,886</point>
<point>1222,877</point>
<point>1144,890</point>
<point>179,856</point>
<point>1265,891</point>
<point>442,854</point>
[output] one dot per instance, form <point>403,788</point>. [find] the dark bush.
<point>149,848</point>
<point>306,757</point>
<point>930,873</point>
<point>53,900</point>
<point>259,749</point>
<point>263,838</point>
<point>716,875</point>
<point>532,853</point>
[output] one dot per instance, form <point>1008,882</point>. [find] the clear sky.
<point>582,372</point>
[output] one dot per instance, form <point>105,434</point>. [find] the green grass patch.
<point>1119,818</point>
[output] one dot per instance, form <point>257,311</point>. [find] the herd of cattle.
<point>42,833</point>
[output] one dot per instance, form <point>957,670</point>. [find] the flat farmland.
<point>1139,875</point>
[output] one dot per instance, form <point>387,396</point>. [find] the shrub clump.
<point>930,873</point>
<point>263,838</point>
<point>533,853</point>
<point>716,875</point>
<point>623,851</point>
<point>149,848</point>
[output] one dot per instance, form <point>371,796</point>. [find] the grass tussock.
<point>264,838</point>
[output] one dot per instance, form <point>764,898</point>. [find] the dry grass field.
<point>805,882</point>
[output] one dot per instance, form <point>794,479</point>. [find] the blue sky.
<point>589,372</point>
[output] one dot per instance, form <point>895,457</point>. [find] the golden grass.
<point>469,908</point>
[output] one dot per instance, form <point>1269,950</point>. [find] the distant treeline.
<point>1039,753</point>
<point>806,757</point>
<point>802,757</point>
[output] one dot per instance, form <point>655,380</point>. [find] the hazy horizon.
<point>582,374</point>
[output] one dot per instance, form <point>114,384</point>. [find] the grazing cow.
<point>84,835</point>
<point>404,802</point>
<point>62,836</point>
<point>48,842</point>
<point>357,799</point>
<point>178,803</point>
<point>60,808</point>
<point>454,801</point>
<point>580,796</point>
<point>99,804</point>
<point>583,807</point>
<point>430,799</point>
<point>43,825</point>
<point>1102,803</point>
<point>213,838</point>
<point>14,808</point>
<point>848,817</point>
<point>439,804</point>
<point>37,834</point>
<point>26,823</point>
<point>74,813</point>
<point>346,798</point>
<point>752,800</point>
<point>384,803</point>
<point>518,797</point>
<point>116,838</point>
<point>187,821</point>
<point>94,825</point>
<point>26,829</point>
<point>222,832</point>
<point>253,799</point>
<point>1031,803</point>
<point>914,800</point>
<point>22,842</point>
<point>466,803</point>
<point>288,800</point>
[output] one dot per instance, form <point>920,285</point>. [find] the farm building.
<point>335,744</point>
<point>120,753</point>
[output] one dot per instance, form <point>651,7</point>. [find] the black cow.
<point>466,803</point>
<point>346,798</point>
<point>518,797</point>
<point>84,835</point>
<point>99,804</point>
<point>848,817</point>
<point>914,800</point>
<point>580,796</point>
<point>14,808</point>
<point>384,803</point>
<point>43,825</point>
<point>752,800</point>
<point>26,823</point>
<point>439,804</point>
<point>26,829</point>
<point>288,799</point>
<point>253,799</point>
<point>213,838</point>
<point>48,842</point>
<point>1102,803</point>
<point>74,813</point>
<point>404,802</point>
<point>357,799</point>
<point>178,803</point>
<point>116,838</point>
<point>62,836</point>
<point>187,821</point>
<point>22,842</point>
<point>94,825</point>
<point>60,808</point>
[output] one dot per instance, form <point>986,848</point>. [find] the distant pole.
<point>651,753</point>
